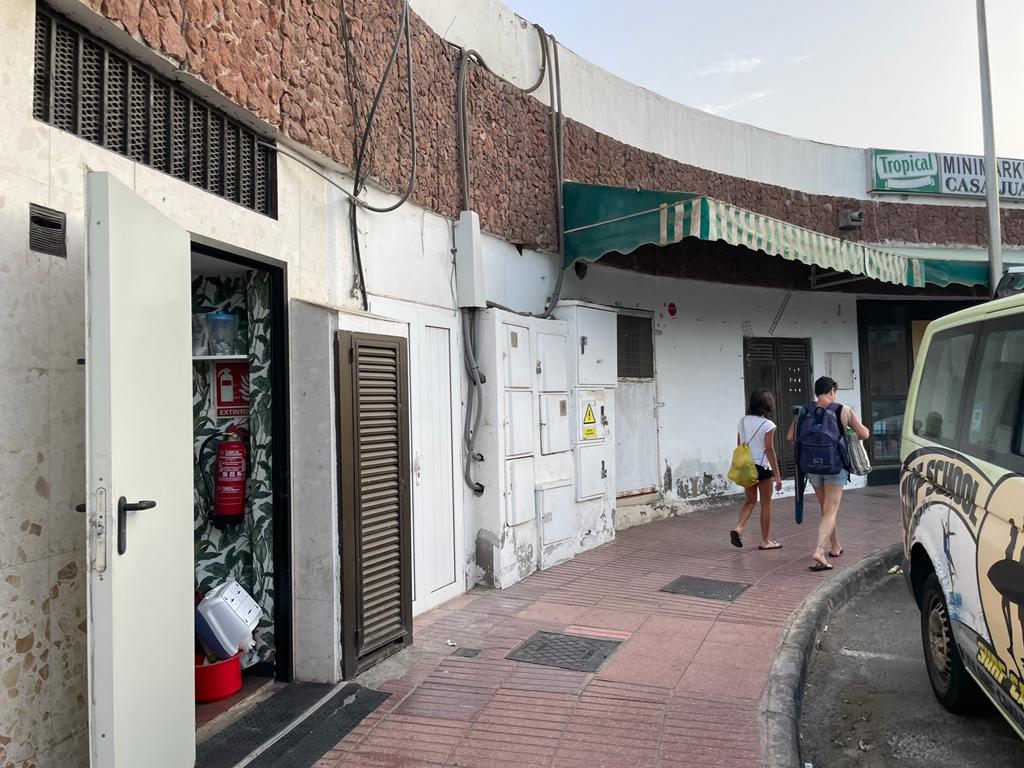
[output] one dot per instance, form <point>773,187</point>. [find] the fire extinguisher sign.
<point>231,389</point>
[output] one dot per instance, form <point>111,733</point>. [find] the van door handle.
<point>123,508</point>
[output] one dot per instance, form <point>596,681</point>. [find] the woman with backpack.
<point>824,459</point>
<point>757,431</point>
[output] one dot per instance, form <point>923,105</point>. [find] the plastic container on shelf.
<point>226,618</point>
<point>217,680</point>
<point>221,329</point>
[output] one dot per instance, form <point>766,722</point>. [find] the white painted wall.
<point>633,115</point>
<point>699,360</point>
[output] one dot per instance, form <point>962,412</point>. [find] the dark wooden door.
<point>782,366</point>
<point>373,481</point>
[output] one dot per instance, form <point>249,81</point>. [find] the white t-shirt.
<point>752,430</point>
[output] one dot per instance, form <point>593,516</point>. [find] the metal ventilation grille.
<point>636,347</point>
<point>83,86</point>
<point>41,84</point>
<point>46,231</point>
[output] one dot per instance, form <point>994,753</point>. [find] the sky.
<point>892,74</point>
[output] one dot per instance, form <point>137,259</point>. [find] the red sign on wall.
<point>231,390</point>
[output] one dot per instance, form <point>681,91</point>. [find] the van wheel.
<point>953,687</point>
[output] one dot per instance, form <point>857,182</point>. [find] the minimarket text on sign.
<point>934,173</point>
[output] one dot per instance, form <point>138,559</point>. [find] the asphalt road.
<point>869,704</point>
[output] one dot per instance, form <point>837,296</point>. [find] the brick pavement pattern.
<point>682,689</point>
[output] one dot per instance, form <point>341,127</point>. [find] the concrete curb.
<point>780,706</point>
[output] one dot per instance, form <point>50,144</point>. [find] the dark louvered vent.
<point>636,347</point>
<point>375,506</point>
<point>46,231</point>
<point>85,87</point>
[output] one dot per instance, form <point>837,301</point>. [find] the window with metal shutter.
<point>373,467</point>
<point>86,87</point>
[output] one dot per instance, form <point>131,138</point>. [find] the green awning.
<point>946,265</point>
<point>601,220</point>
<point>945,272</point>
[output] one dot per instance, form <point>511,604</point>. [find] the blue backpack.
<point>820,446</point>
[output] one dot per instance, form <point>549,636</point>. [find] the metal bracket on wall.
<point>778,315</point>
<point>831,278</point>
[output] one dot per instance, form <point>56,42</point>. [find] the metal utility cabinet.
<point>593,374</point>
<point>531,514</point>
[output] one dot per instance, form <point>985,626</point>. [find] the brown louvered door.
<point>784,367</point>
<point>373,469</point>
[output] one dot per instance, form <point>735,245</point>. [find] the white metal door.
<point>435,402</point>
<point>139,433</point>
<point>435,479</point>
<point>636,448</point>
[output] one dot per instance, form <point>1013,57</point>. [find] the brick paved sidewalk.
<point>682,690</point>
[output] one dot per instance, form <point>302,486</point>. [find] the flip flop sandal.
<point>776,545</point>
<point>735,539</point>
<point>835,554</point>
<point>820,567</point>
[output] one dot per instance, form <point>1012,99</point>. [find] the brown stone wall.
<point>282,60</point>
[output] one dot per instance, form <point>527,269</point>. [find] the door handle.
<point>123,508</point>
<point>417,467</point>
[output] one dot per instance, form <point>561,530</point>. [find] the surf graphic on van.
<point>972,529</point>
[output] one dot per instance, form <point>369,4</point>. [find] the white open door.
<point>139,434</point>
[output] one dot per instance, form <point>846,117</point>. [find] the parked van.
<point>962,498</point>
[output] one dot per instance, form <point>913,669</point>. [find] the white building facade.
<point>368,506</point>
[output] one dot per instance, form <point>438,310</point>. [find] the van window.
<point>937,412</point>
<point>995,405</point>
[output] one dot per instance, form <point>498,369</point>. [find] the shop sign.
<point>934,173</point>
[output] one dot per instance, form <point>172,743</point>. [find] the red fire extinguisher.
<point>228,506</point>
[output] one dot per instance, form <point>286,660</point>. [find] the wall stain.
<point>704,485</point>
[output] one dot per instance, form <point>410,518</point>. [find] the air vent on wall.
<point>84,86</point>
<point>46,231</point>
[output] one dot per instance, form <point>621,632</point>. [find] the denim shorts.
<point>839,479</point>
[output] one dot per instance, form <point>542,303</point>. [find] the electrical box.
<point>554,423</point>
<point>839,365</point>
<point>518,373</point>
<point>551,363</point>
<point>590,416</point>
<point>519,489</point>
<point>556,511</point>
<point>597,363</point>
<point>518,423</point>
<point>591,471</point>
<point>469,266</point>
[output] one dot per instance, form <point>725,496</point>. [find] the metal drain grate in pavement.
<point>710,589</point>
<point>555,649</point>
<point>468,653</point>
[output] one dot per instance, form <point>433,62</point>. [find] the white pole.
<point>995,246</point>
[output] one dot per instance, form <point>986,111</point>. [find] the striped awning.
<point>601,220</point>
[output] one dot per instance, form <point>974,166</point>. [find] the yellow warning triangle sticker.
<point>588,417</point>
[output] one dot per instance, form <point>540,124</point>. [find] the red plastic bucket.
<point>218,680</point>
